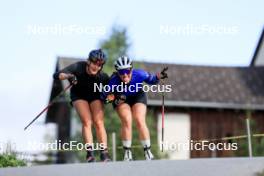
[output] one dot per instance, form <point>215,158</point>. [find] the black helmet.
<point>95,55</point>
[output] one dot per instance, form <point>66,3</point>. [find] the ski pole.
<point>164,75</point>
<point>162,122</point>
<point>49,105</point>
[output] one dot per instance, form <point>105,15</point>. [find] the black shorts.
<point>89,98</point>
<point>140,97</point>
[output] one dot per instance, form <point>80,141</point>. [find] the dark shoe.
<point>90,159</point>
<point>104,156</point>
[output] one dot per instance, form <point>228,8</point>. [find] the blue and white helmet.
<point>123,62</point>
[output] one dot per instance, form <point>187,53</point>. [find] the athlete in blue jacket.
<point>130,102</point>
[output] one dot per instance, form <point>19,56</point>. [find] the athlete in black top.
<point>87,101</point>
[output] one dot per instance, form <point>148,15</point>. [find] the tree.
<point>116,45</point>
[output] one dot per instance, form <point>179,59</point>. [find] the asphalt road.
<point>203,167</point>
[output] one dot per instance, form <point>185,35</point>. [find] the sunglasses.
<point>98,62</point>
<point>124,71</point>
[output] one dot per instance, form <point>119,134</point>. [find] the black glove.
<point>119,99</point>
<point>72,78</point>
<point>163,74</point>
<point>110,98</point>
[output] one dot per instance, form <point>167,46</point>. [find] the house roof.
<point>258,58</point>
<point>205,86</point>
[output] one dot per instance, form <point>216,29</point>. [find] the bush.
<point>10,160</point>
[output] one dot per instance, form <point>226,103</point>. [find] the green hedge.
<point>10,160</point>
